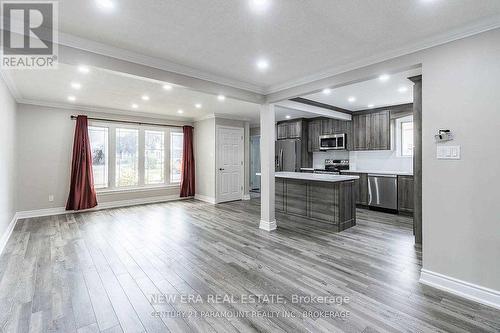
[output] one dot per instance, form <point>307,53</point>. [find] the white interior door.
<point>230,153</point>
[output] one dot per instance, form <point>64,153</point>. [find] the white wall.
<point>204,156</point>
<point>8,165</point>
<point>205,142</point>
<point>461,219</point>
<point>45,144</point>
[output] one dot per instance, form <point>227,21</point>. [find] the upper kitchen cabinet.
<point>314,134</point>
<point>372,131</point>
<point>290,129</point>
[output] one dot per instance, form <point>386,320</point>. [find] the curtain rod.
<point>128,122</point>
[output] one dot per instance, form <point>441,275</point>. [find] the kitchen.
<point>368,136</point>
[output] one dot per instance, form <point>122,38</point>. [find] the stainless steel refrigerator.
<point>288,155</point>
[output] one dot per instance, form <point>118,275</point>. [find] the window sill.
<point>136,189</point>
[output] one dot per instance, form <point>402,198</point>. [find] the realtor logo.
<point>29,34</point>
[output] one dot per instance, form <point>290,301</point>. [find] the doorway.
<point>229,166</point>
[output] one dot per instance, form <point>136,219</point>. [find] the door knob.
<point>221,169</point>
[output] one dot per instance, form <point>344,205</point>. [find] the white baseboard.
<point>6,235</point>
<point>461,288</point>
<point>246,197</point>
<point>104,205</point>
<point>205,198</point>
<point>267,226</point>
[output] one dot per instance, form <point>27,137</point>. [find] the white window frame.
<point>399,135</point>
<point>173,130</point>
<point>112,188</point>
<point>107,155</point>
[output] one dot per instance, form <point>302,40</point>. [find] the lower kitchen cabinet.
<point>360,187</point>
<point>405,194</point>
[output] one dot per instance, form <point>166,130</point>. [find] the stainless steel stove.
<point>333,167</point>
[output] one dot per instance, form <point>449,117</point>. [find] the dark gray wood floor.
<point>100,271</point>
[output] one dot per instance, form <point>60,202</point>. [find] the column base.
<point>267,226</point>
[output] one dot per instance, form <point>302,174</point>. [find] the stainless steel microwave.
<point>331,142</point>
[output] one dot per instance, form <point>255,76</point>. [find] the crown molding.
<point>456,34</point>
<point>11,85</point>
<point>139,58</point>
<point>93,109</point>
<point>222,116</point>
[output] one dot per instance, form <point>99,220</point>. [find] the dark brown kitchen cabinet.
<point>405,194</point>
<point>372,131</point>
<point>290,129</point>
<point>360,186</point>
<point>314,134</point>
<point>360,131</point>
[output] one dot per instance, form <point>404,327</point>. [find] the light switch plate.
<point>445,152</point>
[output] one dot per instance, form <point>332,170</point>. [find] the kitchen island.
<point>321,197</point>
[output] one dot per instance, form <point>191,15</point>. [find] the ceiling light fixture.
<point>327,91</point>
<point>135,106</point>
<point>71,98</point>
<point>83,69</point>
<point>403,89</point>
<point>352,99</point>
<point>384,77</point>
<point>180,111</point>
<point>259,6</point>
<point>198,105</point>
<point>221,98</point>
<point>145,97</point>
<point>105,4</point>
<point>371,106</point>
<point>288,117</point>
<point>167,87</point>
<point>263,64</point>
<point>76,85</point>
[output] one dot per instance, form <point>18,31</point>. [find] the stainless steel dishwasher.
<point>383,191</point>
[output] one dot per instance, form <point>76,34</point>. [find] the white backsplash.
<point>385,160</point>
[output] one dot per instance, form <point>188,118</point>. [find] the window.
<point>127,157</point>
<point>154,161</point>
<point>176,148</point>
<point>99,146</point>
<point>407,138</point>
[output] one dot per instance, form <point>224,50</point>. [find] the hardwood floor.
<point>104,271</point>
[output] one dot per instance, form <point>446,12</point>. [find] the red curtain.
<point>82,193</point>
<point>187,182</point>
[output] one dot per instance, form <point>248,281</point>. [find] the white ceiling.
<point>115,92</point>
<point>375,92</point>
<point>300,39</point>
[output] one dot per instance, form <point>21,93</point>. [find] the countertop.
<point>398,173</point>
<point>315,177</point>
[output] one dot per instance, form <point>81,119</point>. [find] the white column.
<point>267,139</point>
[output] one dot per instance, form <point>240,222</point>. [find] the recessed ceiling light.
<point>383,77</point>
<point>71,98</point>
<point>288,117</point>
<point>327,91</point>
<point>105,4</point>
<point>167,87</point>
<point>259,6</point>
<point>83,69</point>
<point>180,111</point>
<point>135,106</point>
<point>352,99</point>
<point>76,85</point>
<point>370,105</point>
<point>403,89</point>
<point>145,97</point>
<point>221,98</point>
<point>263,64</point>
<point>198,105</point>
